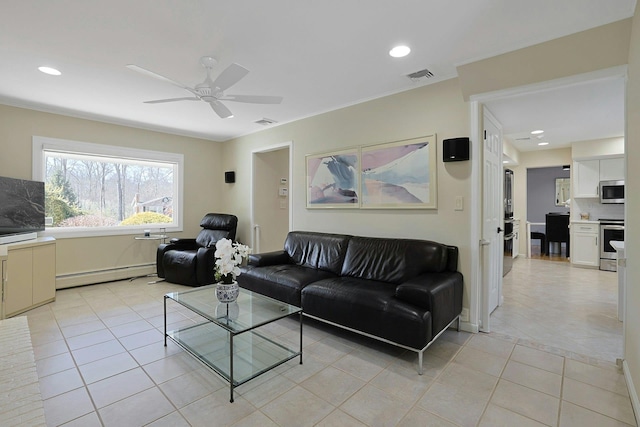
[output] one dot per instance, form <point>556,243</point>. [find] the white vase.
<point>227,293</point>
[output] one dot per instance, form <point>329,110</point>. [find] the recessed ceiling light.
<point>505,161</point>
<point>399,51</point>
<point>543,143</point>
<point>537,132</point>
<point>50,71</point>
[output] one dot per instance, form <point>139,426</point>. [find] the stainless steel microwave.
<point>612,191</point>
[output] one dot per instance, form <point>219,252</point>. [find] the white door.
<point>492,217</point>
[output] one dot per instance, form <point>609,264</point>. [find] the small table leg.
<point>231,366</point>
<point>165,321</point>
<point>301,338</point>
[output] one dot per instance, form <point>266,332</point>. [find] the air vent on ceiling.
<point>526,138</point>
<point>265,122</point>
<point>422,74</point>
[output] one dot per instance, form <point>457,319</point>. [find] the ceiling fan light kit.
<point>210,90</point>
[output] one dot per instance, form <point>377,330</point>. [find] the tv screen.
<point>21,206</point>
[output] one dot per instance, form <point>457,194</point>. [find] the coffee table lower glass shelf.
<point>228,339</point>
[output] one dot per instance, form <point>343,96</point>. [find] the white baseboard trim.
<point>92,277</point>
<point>469,327</point>
<point>635,403</point>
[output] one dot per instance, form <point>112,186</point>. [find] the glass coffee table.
<point>227,337</point>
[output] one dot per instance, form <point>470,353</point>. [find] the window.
<point>94,189</point>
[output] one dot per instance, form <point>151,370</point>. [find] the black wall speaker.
<point>229,177</point>
<point>455,149</point>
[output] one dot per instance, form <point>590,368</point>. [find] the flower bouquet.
<point>229,256</point>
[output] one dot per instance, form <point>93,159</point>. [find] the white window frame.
<point>42,143</point>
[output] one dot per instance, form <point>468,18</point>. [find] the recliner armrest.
<point>175,243</point>
<point>183,242</point>
<point>269,258</point>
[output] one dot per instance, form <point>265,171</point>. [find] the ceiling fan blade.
<point>221,110</point>
<point>230,76</point>
<point>158,101</point>
<point>159,77</point>
<point>254,99</point>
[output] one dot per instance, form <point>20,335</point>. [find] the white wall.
<point>437,108</point>
<point>632,206</point>
<point>203,180</point>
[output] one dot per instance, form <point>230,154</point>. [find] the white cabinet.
<point>612,169</point>
<point>585,251</point>
<point>587,175</point>
<point>586,178</point>
<point>516,238</point>
<point>28,275</point>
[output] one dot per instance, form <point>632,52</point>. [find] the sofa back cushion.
<point>393,260</point>
<point>317,250</point>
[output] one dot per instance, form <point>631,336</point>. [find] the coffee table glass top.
<point>249,311</point>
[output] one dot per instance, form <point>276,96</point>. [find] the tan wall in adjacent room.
<point>203,179</point>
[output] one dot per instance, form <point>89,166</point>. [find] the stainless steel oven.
<point>610,229</point>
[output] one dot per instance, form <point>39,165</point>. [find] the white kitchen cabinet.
<point>585,249</point>
<point>586,178</point>
<point>612,169</point>
<point>516,238</point>
<point>28,275</point>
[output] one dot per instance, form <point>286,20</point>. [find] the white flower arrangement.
<point>229,256</point>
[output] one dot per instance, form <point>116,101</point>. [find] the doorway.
<point>270,198</point>
<point>548,193</point>
<point>509,117</point>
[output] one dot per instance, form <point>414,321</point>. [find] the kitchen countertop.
<point>584,221</point>
<point>617,245</point>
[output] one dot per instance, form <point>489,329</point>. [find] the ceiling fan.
<point>212,91</point>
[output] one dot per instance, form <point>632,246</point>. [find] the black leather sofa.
<point>191,261</point>
<point>401,291</point>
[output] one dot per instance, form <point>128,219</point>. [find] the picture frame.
<point>399,175</point>
<point>333,179</point>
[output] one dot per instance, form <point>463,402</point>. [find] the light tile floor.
<point>101,361</point>
<point>569,308</point>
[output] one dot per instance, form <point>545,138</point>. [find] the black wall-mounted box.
<point>229,177</point>
<point>455,149</point>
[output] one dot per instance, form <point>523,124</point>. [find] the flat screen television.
<point>21,207</point>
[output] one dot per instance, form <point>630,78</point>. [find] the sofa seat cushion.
<point>368,306</point>
<point>282,282</point>
<point>179,266</point>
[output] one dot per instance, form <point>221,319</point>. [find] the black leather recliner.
<point>191,261</point>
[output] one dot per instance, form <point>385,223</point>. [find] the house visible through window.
<point>93,188</point>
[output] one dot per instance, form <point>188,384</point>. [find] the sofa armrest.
<point>440,293</point>
<point>269,258</point>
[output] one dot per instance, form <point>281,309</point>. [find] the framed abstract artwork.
<point>333,179</point>
<point>399,175</point>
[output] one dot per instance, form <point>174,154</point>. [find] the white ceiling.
<point>319,56</point>
<point>572,113</point>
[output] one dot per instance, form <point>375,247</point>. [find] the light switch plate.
<point>459,203</point>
